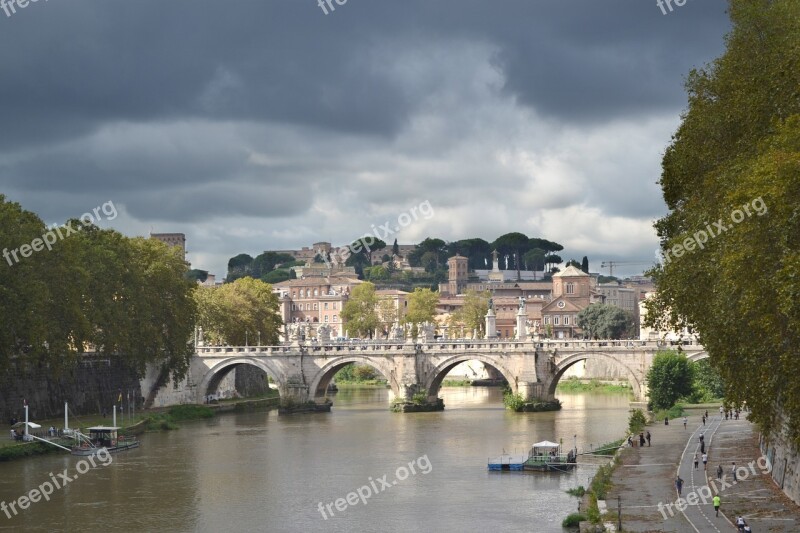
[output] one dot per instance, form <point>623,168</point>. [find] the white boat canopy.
<point>31,425</point>
<point>546,444</point>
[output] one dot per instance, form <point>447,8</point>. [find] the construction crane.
<point>611,264</point>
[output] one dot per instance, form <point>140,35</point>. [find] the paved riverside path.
<point>646,478</point>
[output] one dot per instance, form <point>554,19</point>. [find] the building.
<point>177,240</point>
<point>573,291</point>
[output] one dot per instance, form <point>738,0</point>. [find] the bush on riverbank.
<point>578,491</point>
<point>28,449</point>
<point>354,374</point>
<point>637,421</point>
<point>574,520</point>
<point>676,411</point>
<point>456,383</point>
<point>573,384</point>
<point>166,420</point>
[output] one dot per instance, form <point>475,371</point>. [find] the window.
<point>555,320</point>
<point>335,318</point>
<point>566,320</point>
<point>547,320</point>
<point>294,307</point>
<point>316,293</point>
<point>294,294</point>
<point>326,319</point>
<point>316,307</point>
<point>334,306</point>
<point>570,288</point>
<point>326,306</point>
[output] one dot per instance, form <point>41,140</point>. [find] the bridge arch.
<point>437,375</point>
<point>215,374</point>
<point>636,380</point>
<point>321,380</point>
<point>697,356</point>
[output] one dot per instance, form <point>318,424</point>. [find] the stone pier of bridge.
<point>532,368</point>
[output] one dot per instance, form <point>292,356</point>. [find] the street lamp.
<point>245,337</point>
<point>259,338</point>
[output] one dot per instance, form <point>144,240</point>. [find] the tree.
<point>585,264</point>
<point>396,248</point>
<point>239,266</point>
<point>534,259</point>
<point>736,156</point>
<point>359,314</point>
<point>472,314</point>
<point>197,275</point>
<point>573,262</point>
<point>669,378</point>
<point>239,312</point>
<point>477,252</point>
<point>515,244</point>
<point>605,321</point>
<point>128,298</point>
<point>436,247</point>
<point>421,306</point>
<point>361,251</point>
<point>276,276</point>
<point>388,314</point>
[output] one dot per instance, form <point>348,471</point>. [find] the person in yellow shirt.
<point>716,501</point>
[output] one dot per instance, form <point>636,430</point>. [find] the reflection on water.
<point>261,472</point>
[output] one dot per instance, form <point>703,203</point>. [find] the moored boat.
<point>103,437</point>
<point>543,456</point>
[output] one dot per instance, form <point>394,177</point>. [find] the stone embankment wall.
<point>785,461</point>
<point>94,386</point>
<point>91,387</point>
<point>596,369</point>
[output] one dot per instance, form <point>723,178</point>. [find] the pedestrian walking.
<point>666,420</point>
<point>696,460</point>
<point>706,413</point>
<point>717,501</point>
<point>705,461</point>
<point>641,439</point>
<point>747,528</point>
<point>733,471</point>
<point>702,447</point>
<point>679,485</point>
<point>704,419</point>
<point>684,422</point>
<point>739,523</point>
<point>719,472</point>
<point>648,438</point>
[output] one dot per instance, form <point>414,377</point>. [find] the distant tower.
<point>457,275</point>
<point>172,239</point>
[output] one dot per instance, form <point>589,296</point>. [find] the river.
<point>257,471</point>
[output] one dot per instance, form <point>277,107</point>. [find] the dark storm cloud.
<point>187,111</point>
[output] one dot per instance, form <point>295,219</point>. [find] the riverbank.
<point>156,419</point>
<point>574,385</point>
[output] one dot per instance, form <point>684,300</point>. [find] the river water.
<point>260,472</point>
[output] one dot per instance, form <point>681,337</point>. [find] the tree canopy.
<point>605,321</point>
<point>239,312</point>
<point>96,289</point>
<point>421,306</point>
<point>360,312</point>
<point>670,378</point>
<point>735,159</point>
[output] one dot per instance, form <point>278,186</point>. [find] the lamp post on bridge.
<point>259,338</point>
<point>245,338</point>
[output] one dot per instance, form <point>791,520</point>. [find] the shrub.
<point>578,491</point>
<point>637,421</point>
<point>573,520</point>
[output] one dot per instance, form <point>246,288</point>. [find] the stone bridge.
<point>532,368</point>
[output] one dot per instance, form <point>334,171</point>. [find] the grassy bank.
<point>574,384</point>
<point>457,383</point>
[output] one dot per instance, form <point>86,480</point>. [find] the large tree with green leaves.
<point>731,181</point>
<point>472,315</point>
<point>669,379</point>
<point>239,312</point>
<point>605,321</point>
<point>125,298</point>
<point>421,306</point>
<point>360,312</point>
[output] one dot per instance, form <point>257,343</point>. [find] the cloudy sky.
<point>252,125</point>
